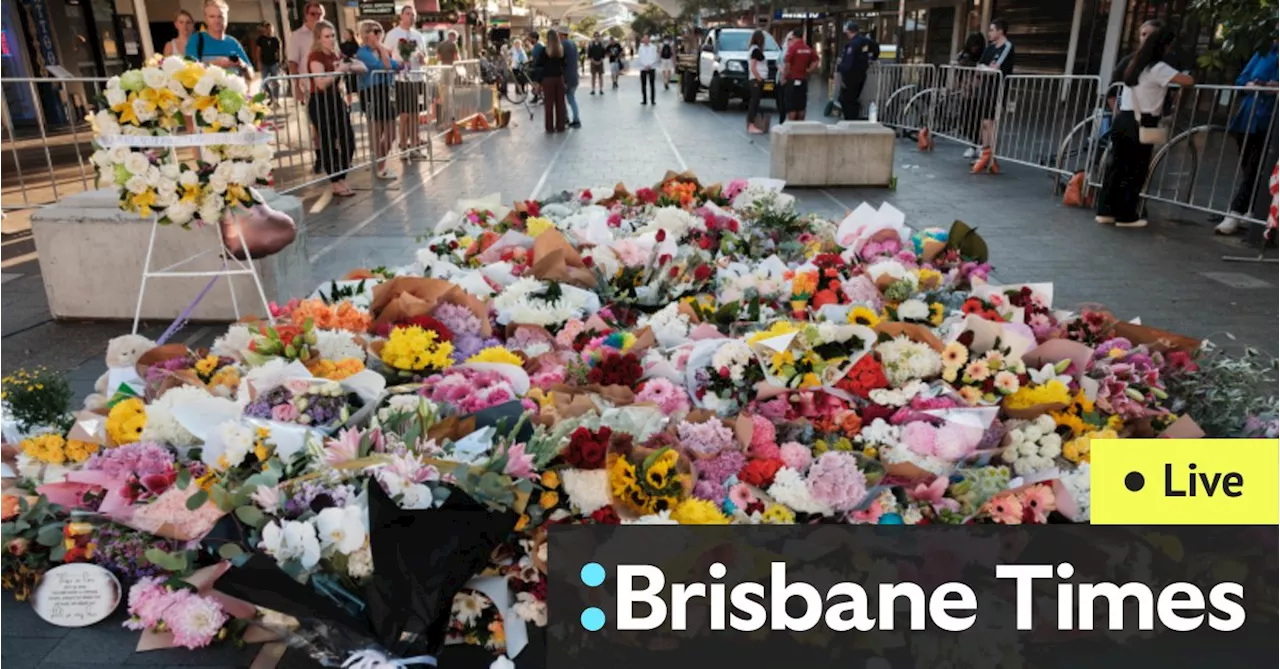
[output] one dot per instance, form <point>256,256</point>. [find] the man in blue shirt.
<point>571,65</point>
<point>1251,128</point>
<point>859,51</point>
<point>214,46</point>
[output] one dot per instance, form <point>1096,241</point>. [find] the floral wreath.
<point>136,141</point>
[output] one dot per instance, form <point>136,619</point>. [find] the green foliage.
<point>617,32</point>
<point>1226,391</point>
<point>653,20</point>
<point>1243,25</point>
<point>38,398</point>
<point>692,9</point>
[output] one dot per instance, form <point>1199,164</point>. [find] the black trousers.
<point>850,90</point>
<point>332,118</point>
<point>1253,148</point>
<point>1121,195</point>
<point>780,99</point>
<point>753,102</point>
<point>649,78</point>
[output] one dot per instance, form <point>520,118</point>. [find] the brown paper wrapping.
<point>405,297</point>
<point>688,310</point>
<point>686,175</point>
<point>452,428</point>
<point>913,331</point>
<point>908,471</point>
<point>616,395</point>
<point>358,275</point>
<point>636,454</point>
<point>554,259</point>
<point>161,354</point>
<point>1183,428</point>
<point>1155,338</point>
<point>931,249</point>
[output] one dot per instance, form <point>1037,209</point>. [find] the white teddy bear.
<point>122,352</point>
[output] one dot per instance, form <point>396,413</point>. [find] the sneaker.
<point>1230,225</point>
<point>1105,220</point>
<point>576,124</point>
<point>970,153</point>
<point>1140,223</point>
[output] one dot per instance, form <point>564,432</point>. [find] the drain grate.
<point>1236,280</point>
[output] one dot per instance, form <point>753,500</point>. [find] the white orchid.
<point>294,541</point>
<point>342,529</point>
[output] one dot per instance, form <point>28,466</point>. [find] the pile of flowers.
<point>683,354</point>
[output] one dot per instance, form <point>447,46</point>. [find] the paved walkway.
<point>1169,274</point>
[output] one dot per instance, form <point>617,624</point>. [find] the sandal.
<point>345,192</point>
<point>387,174</point>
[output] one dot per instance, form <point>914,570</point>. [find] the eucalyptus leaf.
<point>197,500</point>
<point>173,562</point>
<point>251,515</point>
<point>50,535</point>
<point>230,552</point>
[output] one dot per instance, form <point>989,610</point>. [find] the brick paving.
<point>1169,274</point>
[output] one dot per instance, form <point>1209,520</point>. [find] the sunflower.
<point>864,316</point>
<point>937,313</point>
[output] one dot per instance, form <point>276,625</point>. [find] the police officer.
<point>859,51</point>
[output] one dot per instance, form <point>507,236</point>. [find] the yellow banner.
<point>1185,481</point>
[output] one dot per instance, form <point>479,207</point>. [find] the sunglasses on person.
<point>374,31</point>
<point>317,13</point>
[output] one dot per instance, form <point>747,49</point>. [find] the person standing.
<point>614,52</point>
<point>780,81</point>
<point>214,46</point>
<point>186,25</point>
<point>1146,80</point>
<point>328,107</point>
<point>349,44</point>
<point>647,61</point>
<point>447,54</point>
<point>571,64</point>
<point>269,60</point>
<point>375,93</point>
<point>595,55</point>
<point>801,61</point>
<point>550,61</point>
<point>997,57</point>
<point>411,92</point>
<point>859,52</point>
<point>1252,129</point>
<point>757,72</point>
<point>300,46</point>
<point>535,75</point>
<point>668,56</point>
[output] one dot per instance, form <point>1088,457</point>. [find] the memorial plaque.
<point>76,595</point>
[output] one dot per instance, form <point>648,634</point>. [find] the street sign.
<point>792,15</point>
<point>438,17</point>
<point>377,7</point>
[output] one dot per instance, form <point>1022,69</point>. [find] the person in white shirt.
<point>1146,81</point>
<point>411,90</point>
<point>647,60</point>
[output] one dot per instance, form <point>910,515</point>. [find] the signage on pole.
<point>793,15</point>
<point>377,7</point>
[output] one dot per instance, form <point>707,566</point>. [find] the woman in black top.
<point>550,62</point>
<point>757,73</point>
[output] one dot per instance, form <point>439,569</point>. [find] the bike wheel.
<point>515,92</point>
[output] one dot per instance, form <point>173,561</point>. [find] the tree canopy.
<point>1244,26</point>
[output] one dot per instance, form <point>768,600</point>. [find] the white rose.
<point>165,198</point>
<point>101,159</point>
<point>136,185</point>
<point>226,120</point>
<point>154,77</point>
<point>245,114</point>
<point>913,310</point>
<point>262,151</point>
<point>106,123</point>
<point>180,212</point>
<point>236,84</point>
<point>205,85</point>
<point>188,178</point>
<point>261,169</point>
<point>211,213</point>
<point>106,177</point>
<point>209,115</point>
<point>115,96</point>
<point>173,65</point>
<point>208,155</point>
<point>224,170</point>
<point>136,163</point>
<point>143,110</point>
<point>243,173</point>
<point>177,87</point>
<point>218,183</point>
<point>169,171</point>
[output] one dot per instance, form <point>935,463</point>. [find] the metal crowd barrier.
<point>899,89</point>
<point>967,105</point>
<point>46,141</point>
<point>1037,113</point>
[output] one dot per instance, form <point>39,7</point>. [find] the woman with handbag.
<point>328,107</point>
<point>550,62</point>
<point>1137,130</point>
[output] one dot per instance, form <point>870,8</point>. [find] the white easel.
<point>231,266</point>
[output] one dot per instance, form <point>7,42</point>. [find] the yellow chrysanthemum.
<point>777,514</point>
<point>538,225</point>
<point>1053,392</point>
<point>695,511</point>
<point>550,479</point>
<point>415,349</point>
<point>206,365</point>
<point>497,354</point>
<point>126,421</point>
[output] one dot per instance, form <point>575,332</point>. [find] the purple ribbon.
<point>181,321</point>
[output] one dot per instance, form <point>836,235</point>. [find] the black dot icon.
<point>1134,481</point>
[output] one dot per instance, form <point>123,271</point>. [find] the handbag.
<point>266,231</point>
<point>1154,134</point>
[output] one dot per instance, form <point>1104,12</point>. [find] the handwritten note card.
<point>76,595</point>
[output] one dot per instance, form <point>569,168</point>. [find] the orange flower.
<point>8,507</point>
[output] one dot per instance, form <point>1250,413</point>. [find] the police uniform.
<point>854,62</point>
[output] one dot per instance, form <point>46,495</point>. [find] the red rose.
<point>705,243</point>
<point>606,516</point>
<point>535,209</point>
<point>587,449</point>
<point>675,272</point>
<point>662,235</point>
<point>702,273</point>
<point>760,473</point>
<point>588,261</point>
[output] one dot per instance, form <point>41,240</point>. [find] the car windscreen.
<point>741,40</point>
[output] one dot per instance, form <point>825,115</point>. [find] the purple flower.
<point>721,467</point>
<point>835,480</point>
<point>285,413</point>
<point>460,320</point>
<point>139,459</point>
<point>710,491</point>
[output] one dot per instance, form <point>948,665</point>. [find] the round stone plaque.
<point>76,595</point>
